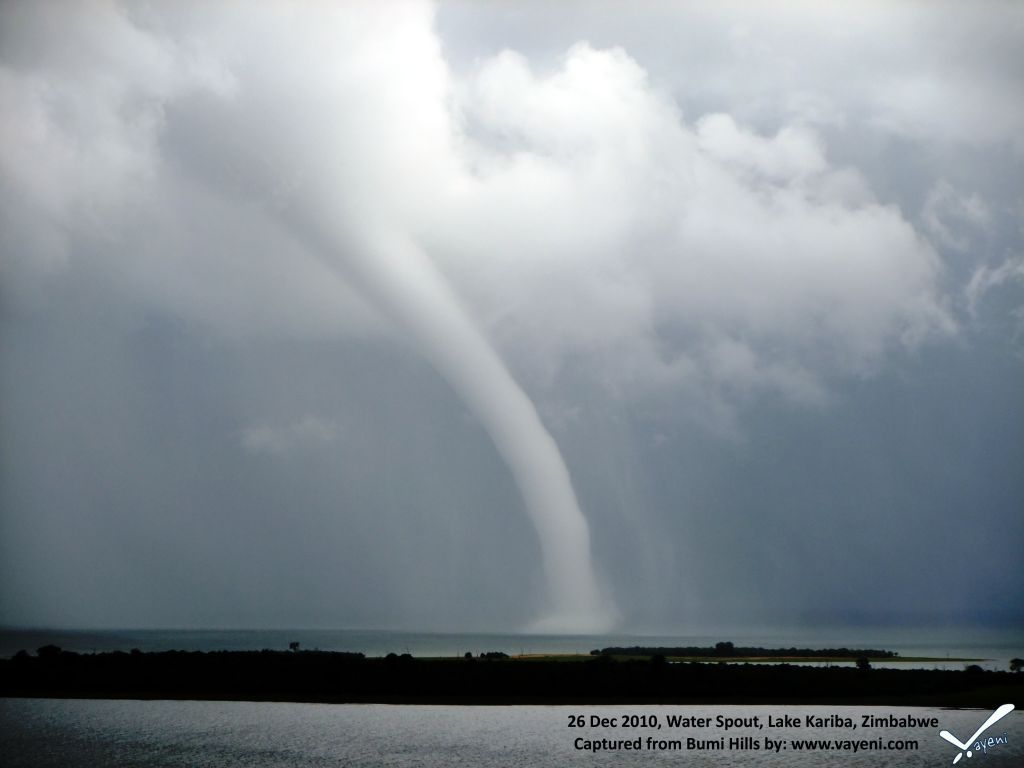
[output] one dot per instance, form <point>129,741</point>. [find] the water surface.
<point>40,733</point>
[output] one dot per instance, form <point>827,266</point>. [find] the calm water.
<point>71,733</point>
<point>994,647</point>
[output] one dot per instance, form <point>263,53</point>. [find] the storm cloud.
<point>448,316</point>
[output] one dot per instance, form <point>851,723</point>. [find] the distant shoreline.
<point>941,649</point>
<point>336,677</point>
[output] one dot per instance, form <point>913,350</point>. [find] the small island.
<point>728,652</point>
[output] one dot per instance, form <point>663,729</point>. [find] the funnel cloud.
<point>402,281</point>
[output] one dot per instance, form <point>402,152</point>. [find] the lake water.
<point>995,647</point>
<point>40,733</point>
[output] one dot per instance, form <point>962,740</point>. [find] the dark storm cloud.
<point>761,278</point>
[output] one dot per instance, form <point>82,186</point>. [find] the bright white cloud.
<point>576,211</point>
<point>601,225</point>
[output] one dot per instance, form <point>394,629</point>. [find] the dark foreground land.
<point>316,676</point>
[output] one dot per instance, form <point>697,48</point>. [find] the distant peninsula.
<point>726,651</point>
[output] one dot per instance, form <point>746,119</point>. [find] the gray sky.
<point>492,316</point>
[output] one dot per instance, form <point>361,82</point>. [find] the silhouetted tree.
<point>293,646</point>
<point>1016,665</point>
<point>725,649</point>
<point>48,652</point>
<point>863,663</point>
